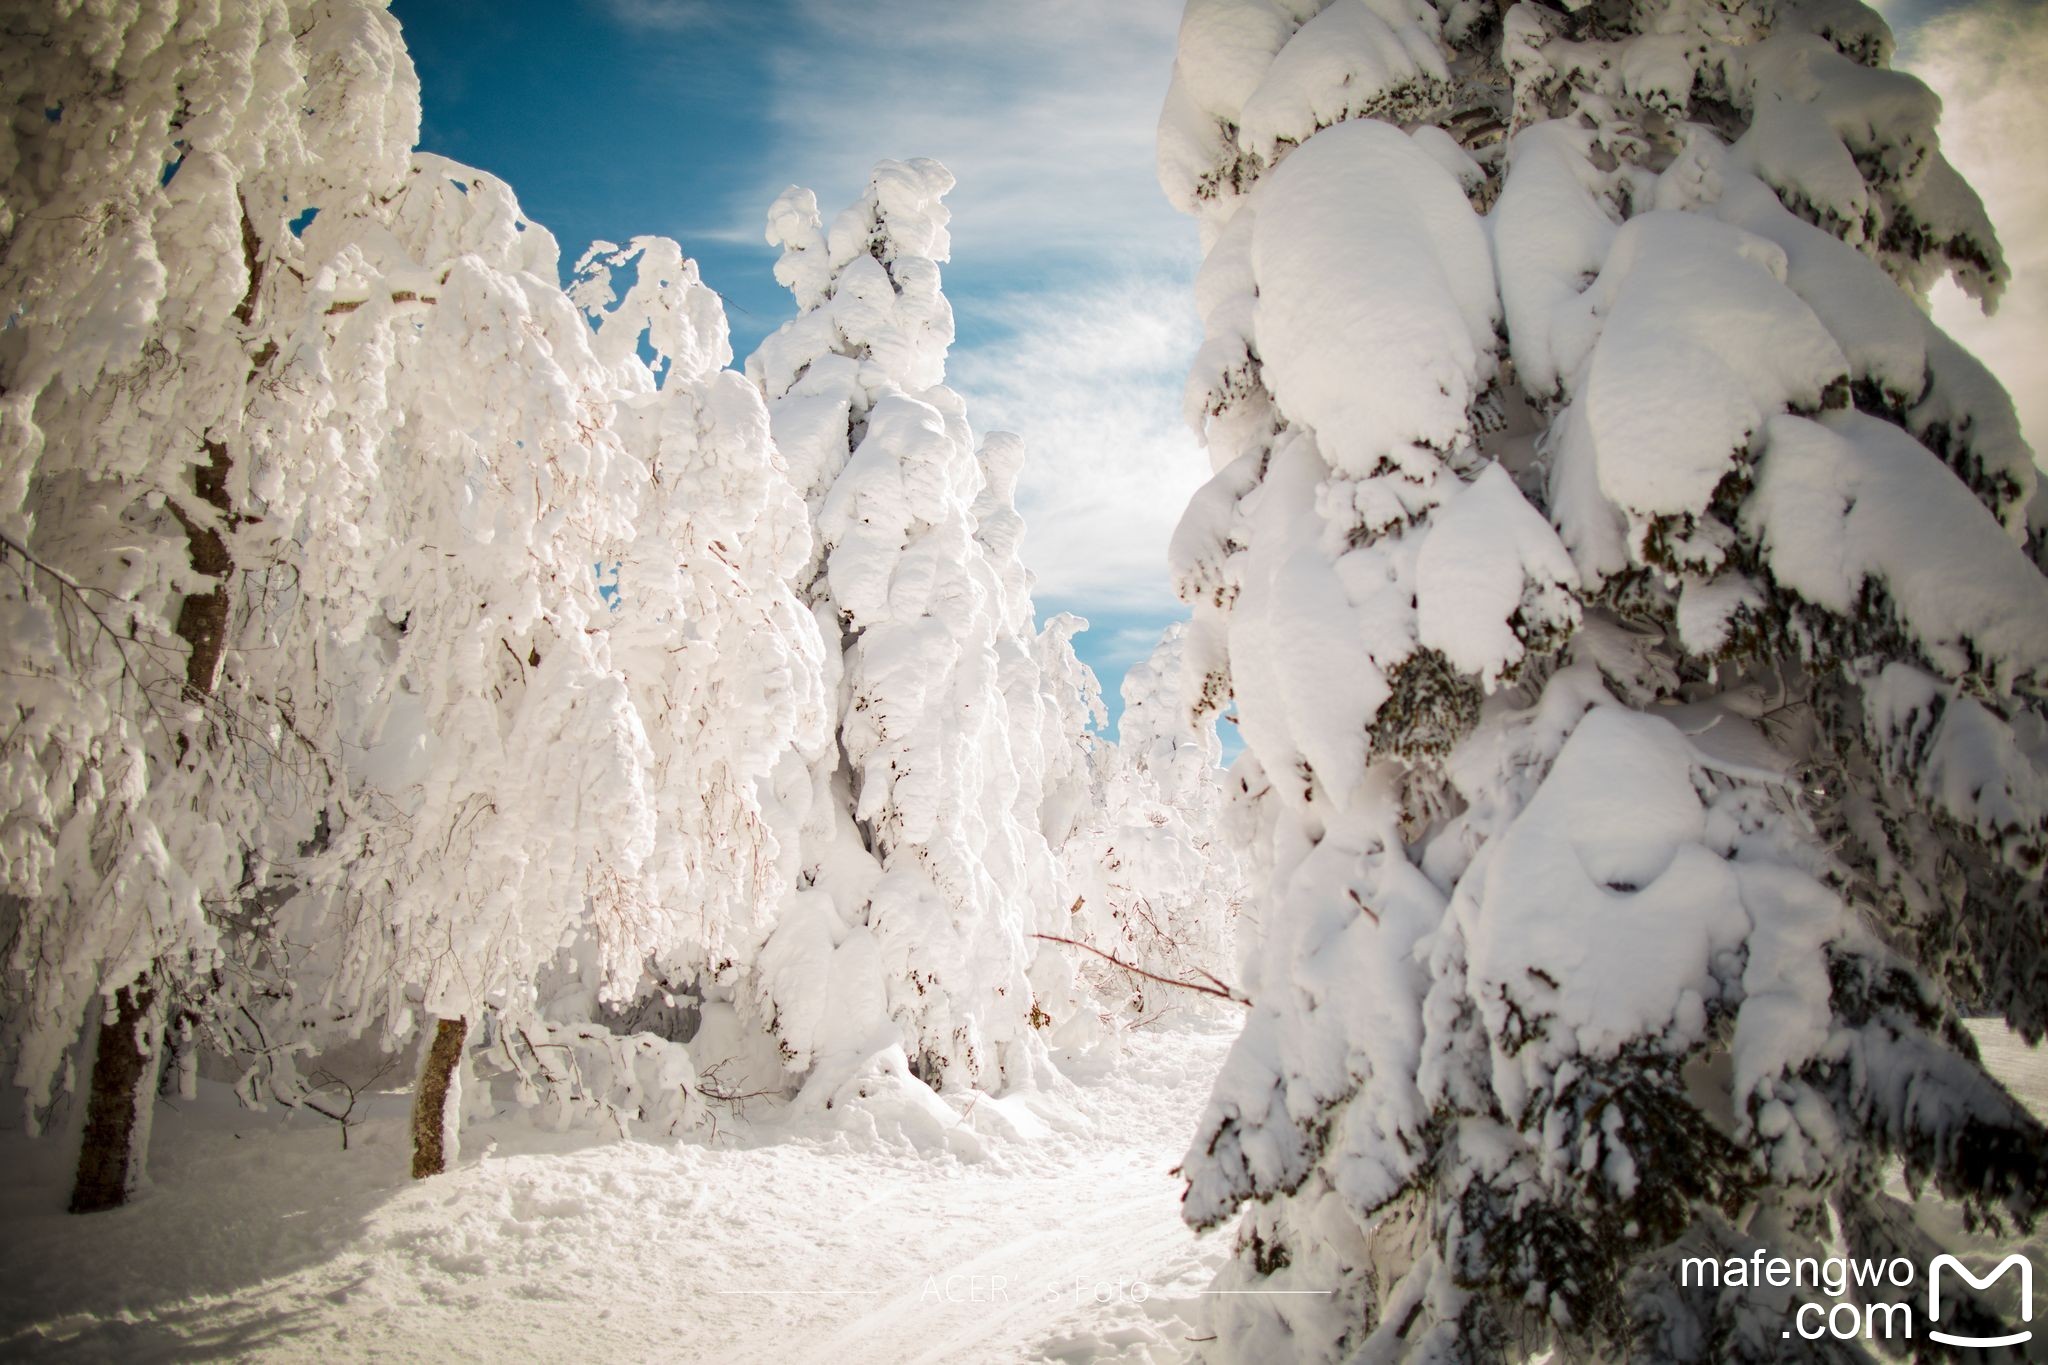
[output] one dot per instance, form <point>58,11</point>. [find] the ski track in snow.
<point>261,1240</point>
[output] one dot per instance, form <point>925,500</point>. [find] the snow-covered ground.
<point>261,1239</point>
<point>2023,1069</point>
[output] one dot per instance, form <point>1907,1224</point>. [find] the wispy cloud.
<point>1989,64</point>
<point>1091,378</point>
<point>663,16</point>
<point>1046,112</point>
<point>1123,646</point>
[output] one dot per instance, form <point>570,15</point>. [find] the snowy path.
<point>565,1248</point>
<point>283,1248</point>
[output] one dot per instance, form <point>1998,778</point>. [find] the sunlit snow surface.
<point>262,1240</point>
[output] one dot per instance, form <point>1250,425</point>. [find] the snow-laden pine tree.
<point>923,864</point>
<point>1624,593</point>
<point>1156,874</point>
<point>1071,719</point>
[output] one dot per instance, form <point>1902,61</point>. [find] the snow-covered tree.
<point>1071,718</point>
<point>1155,873</point>
<point>324,724</point>
<point>1623,590</point>
<point>546,768</point>
<point>923,864</point>
<point>513,764</point>
<point>723,657</point>
<point>154,158</point>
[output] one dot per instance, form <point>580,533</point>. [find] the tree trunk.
<point>118,1112</point>
<point>111,1155</point>
<point>120,1103</point>
<point>436,1102</point>
<point>203,617</point>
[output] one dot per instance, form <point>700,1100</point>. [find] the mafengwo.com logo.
<point>1950,1263</point>
<point>1867,1316</point>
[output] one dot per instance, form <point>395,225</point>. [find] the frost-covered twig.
<point>711,1086</point>
<point>1219,989</point>
<point>77,592</point>
<point>1149,1019</point>
<point>324,1079</point>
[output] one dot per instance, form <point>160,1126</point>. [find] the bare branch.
<point>1219,989</point>
<point>77,592</point>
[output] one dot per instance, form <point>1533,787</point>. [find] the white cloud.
<point>1989,64</point>
<point>1045,111</point>
<point>1128,644</point>
<point>1091,378</point>
<point>665,16</point>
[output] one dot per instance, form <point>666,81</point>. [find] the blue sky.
<point>1070,275</point>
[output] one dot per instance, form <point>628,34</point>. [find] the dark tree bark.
<point>124,1065</point>
<point>430,1117</point>
<point>110,1159</point>
<point>203,617</point>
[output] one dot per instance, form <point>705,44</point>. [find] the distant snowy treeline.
<point>400,645</point>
